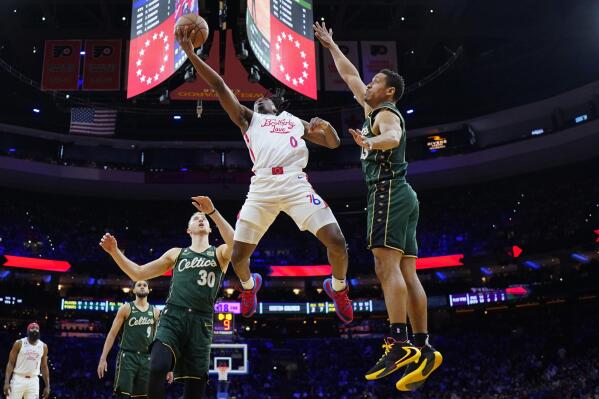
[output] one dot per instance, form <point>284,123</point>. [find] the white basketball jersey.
<point>276,141</point>
<point>29,358</point>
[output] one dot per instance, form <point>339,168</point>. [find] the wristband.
<point>208,214</point>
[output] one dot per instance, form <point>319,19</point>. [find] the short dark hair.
<point>395,80</point>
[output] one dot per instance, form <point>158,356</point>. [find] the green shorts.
<point>188,335</point>
<point>392,216</point>
<point>132,373</point>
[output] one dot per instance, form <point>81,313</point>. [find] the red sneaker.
<point>249,300</point>
<point>343,305</point>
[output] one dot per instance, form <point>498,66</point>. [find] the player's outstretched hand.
<point>183,35</point>
<point>203,204</point>
<point>358,138</point>
<point>108,243</point>
<point>317,124</point>
<point>169,377</point>
<point>102,368</point>
<point>324,35</point>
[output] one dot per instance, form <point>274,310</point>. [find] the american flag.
<point>93,121</point>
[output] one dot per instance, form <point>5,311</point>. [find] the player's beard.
<point>141,294</point>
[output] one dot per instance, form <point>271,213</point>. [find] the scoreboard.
<point>224,323</point>
<point>154,54</point>
<point>280,35</point>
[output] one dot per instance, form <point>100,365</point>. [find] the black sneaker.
<point>417,372</point>
<point>397,354</point>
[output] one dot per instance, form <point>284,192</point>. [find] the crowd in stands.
<point>541,353</point>
<point>538,212</point>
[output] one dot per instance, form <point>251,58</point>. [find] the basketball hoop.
<point>222,372</point>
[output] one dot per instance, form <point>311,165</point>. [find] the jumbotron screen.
<point>154,54</point>
<point>280,34</point>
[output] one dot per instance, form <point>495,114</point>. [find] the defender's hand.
<point>170,377</point>
<point>102,368</point>
<point>324,36</point>
<point>358,138</point>
<point>7,390</point>
<point>203,204</point>
<point>108,243</point>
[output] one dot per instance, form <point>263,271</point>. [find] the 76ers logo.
<point>280,126</point>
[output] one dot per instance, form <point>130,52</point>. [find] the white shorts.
<point>24,388</point>
<point>290,193</point>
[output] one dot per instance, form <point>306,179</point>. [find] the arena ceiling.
<point>514,52</point>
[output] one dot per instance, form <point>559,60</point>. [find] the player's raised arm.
<point>346,69</point>
<point>136,272</point>
<point>120,318</point>
<point>321,132</point>
<point>205,205</point>
<point>239,114</point>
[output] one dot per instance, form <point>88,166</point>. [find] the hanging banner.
<point>332,79</point>
<point>102,65</point>
<point>61,65</point>
<point>377,56</point>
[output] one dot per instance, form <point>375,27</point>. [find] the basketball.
<point>197,23</point>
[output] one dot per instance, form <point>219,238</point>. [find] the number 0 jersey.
<point>196,280</point>
<point>138,329</point>
<point>276,140</point>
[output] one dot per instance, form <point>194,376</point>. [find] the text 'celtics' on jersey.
<point>196,280</point>
<point>138,329</point>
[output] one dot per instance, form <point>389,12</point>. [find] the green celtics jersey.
<point>380,165</point>
<point>138,330</point>
<point>196,280</point>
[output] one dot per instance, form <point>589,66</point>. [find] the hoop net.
<point>223,371</point>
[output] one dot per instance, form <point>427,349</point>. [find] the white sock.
<point>248,285</point>
<point>338,285</point>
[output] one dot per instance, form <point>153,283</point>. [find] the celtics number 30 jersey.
<point>380,165</point>
<point>138,330</point>
<point>196,280</point>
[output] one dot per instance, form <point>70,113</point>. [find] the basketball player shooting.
<point>184,332</point>
<point>393,210</point>
<point>27,358</point>
<point>277,147</point>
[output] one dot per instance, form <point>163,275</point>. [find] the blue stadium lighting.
<point>91,281</point>
<point>580,258</point>
<point>441,276</point>
<point>537,132</point>
<point>4,274</point>
<point>532,265</point>
<point>410,111</point>
<point>36,110</point>
<point>47,278</point>
<point>177,117</point>
<point>581,118</point>
<point>486,271</point>
<point>12,150</point>
<point>82,52</point>
<point>183,169</point>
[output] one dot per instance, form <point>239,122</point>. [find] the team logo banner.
<point>102,65</point>
<point>61,65</point>
<point>377,56</point>
<point>332,79</point>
